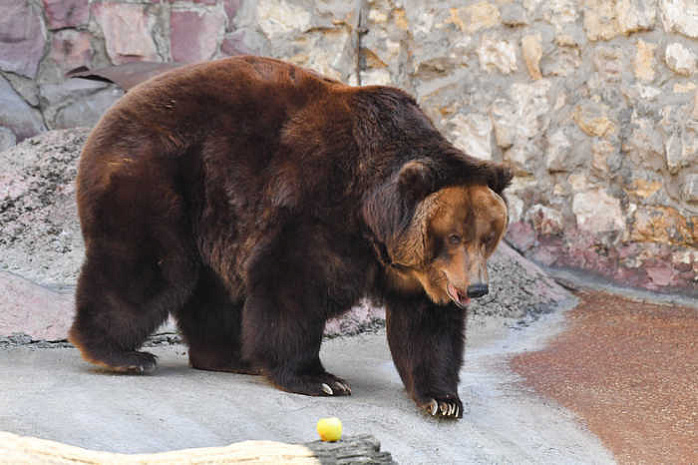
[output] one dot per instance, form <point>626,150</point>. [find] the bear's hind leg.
<point>210,323</point>
<point>281,337</point>
<point>121,299</point>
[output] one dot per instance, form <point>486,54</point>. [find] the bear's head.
<point>439,240</point>
<point>446,246</point>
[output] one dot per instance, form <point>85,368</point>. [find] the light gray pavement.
<point>53,394</point>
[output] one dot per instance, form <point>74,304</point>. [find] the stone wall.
<point>593,102</point>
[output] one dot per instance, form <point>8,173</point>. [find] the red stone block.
<point>71,49</point>
<point>661,274</point>
<point>22,38</point>
<point>33,309</point>
<point>127,31</point>
<point>234,44</point>
<point>521,236</point>
<point>66,13</point>
<point>231,10</point>
<point>194,35</point>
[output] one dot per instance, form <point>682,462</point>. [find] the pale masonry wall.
<point>593,102</point>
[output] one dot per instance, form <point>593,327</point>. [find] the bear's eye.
<point>454,239</point>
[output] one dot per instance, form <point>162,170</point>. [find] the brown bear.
<point>253,200</point>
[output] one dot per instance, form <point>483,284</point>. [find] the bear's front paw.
<point>447,407</point>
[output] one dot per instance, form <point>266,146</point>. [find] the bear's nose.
<point>477,290</point>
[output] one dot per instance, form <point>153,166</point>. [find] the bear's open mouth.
<point>458,297</point>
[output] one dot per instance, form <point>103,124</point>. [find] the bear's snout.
<point>478,290</point>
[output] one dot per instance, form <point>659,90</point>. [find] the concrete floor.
<point>53,394</point>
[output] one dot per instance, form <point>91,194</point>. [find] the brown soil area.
<point>629,370</point>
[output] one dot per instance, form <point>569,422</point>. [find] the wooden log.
<point>363,449</point>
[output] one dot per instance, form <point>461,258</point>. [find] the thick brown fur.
<point>253,200</point>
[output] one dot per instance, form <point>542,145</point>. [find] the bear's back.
<point>237,105</point>
<point>181,105</point>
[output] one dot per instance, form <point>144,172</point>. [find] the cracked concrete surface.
<point>53,394</point>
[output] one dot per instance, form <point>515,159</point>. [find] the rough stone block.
<point>559,12</point>
<point>20,294</point>
<point>246,41</point>
<point>601,20</point>
<point>609,62</point>
<point>328,52</point>
<point>497,55</point>
<point>314,35</point>
<point>16,115</point>
<point>472,18</point>
<point>686,260</point>
<point>77,102</point>
<point>521,236</point>
<point>645,144</point>
<point>601,151</point>
<point>22,38</point>
<point>519,121</point>
<point>85,111</point>
<point>7,138</point>
<point>66,13</point>
<point>376,77</point>
<point>277,19</point>
<point>557,155</point>
<point>680,59</point>
<point>235,44</point>
<point>636,15</point>
<point>689,191</point>
<point>513,14</point>
<point>231,8</point>
<point>664,225</point>
<point>532,52</point>
<point>680,131</point>
<point>643,188</point>
<point>597,212</point>
<point>684,87</point>
<point>680,16</point>
<point>643,64</point>
<point>25,87</point>
<point>71,49</point>
<point>545,220</point>
<point>472,133</point>
<point>127,30</point>
<point>194,35</point>
<point>516,207</point>
<point>563,60</point>
<point>592,118</point>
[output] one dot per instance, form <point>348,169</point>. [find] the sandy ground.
<point>629,369</point>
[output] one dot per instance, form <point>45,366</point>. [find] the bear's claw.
<point>313,385</point>
<point>139,363</point>
<point>338,388</point>
<point>448,408</point>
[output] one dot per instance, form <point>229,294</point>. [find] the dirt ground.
<point>629,370</point>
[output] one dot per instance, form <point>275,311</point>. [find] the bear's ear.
<point>416,180</point>
<point>499,178</point>
<point>412,248</point>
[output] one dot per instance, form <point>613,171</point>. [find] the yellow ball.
<point>329,429</point>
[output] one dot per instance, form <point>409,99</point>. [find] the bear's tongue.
<point>460,298</point>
